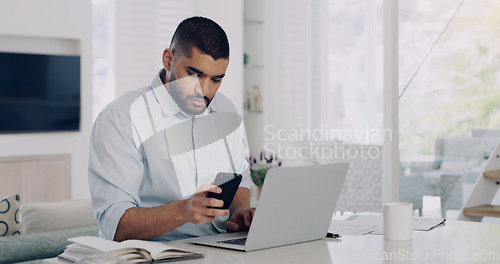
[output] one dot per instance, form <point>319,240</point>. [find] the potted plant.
<point>259,167</point>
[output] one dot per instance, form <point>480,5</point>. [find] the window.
<point>129,38</point>
<point>330,66</point>
<point>328,75</point>
<point>452,101</point>
<point>355,67</point>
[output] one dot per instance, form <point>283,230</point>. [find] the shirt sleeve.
<point>115,169</point>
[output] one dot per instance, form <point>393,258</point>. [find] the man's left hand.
<point>240,221</point>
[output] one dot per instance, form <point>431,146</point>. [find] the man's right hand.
<point>147,223</point>
<point>197,209</point>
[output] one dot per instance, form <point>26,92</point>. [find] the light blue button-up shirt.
<point>146,152</point>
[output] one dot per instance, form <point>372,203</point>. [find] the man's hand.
<point>197,210</point>
<point>240,220</point>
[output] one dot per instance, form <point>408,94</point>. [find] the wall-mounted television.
<point>39,93</point>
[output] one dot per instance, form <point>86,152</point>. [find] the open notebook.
<point>130,251</point>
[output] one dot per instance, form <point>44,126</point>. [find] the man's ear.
<point>168,57</point>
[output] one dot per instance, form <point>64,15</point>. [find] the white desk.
<point>456,242</point>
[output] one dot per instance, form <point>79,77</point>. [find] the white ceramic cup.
<point>398,221</point>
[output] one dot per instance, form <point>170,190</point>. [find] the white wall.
<point>229,15</point>
<point>136,45</point>
<point>58,19</point>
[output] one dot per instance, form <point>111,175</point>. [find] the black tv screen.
<point>39,93</point>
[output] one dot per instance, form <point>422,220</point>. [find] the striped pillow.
<point>9,216</point>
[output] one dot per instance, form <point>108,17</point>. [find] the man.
<point>153,156</point>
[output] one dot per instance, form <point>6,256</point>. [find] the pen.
<point>332,235</point>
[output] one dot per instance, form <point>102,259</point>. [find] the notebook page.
<point>97,243</point>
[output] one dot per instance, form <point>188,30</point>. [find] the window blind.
<point>301,65</point>
<point>142,30</point>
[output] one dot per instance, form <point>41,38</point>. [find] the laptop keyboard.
<point>237,241</point>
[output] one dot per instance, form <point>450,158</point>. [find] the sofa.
<point>43,228</point>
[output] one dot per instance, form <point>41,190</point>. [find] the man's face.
<point>194,81</point>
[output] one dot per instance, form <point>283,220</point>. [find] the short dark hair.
<point>202,33</point>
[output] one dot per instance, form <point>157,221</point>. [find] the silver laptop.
<point>296,205</point>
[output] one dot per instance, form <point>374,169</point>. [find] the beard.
<point>186,103</point>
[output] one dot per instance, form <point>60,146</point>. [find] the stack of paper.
<point>361,224</point>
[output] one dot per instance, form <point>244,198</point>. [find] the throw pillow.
<point>41,217</point>
<point>9,216</point>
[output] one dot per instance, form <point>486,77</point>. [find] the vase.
<point>254,197</point>
<point>257,191</point>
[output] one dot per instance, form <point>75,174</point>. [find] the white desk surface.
<point>455,242</point>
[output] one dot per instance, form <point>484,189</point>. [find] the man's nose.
<point>202,88</point>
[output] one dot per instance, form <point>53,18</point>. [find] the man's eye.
<point>195,74</point>
<point>216,80</point>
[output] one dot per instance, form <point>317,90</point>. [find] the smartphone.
<point>229,183</point>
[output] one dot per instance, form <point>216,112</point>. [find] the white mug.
<point>398,221</point>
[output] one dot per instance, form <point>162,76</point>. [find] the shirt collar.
<point>214,105</point>
<point>167,103</point>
